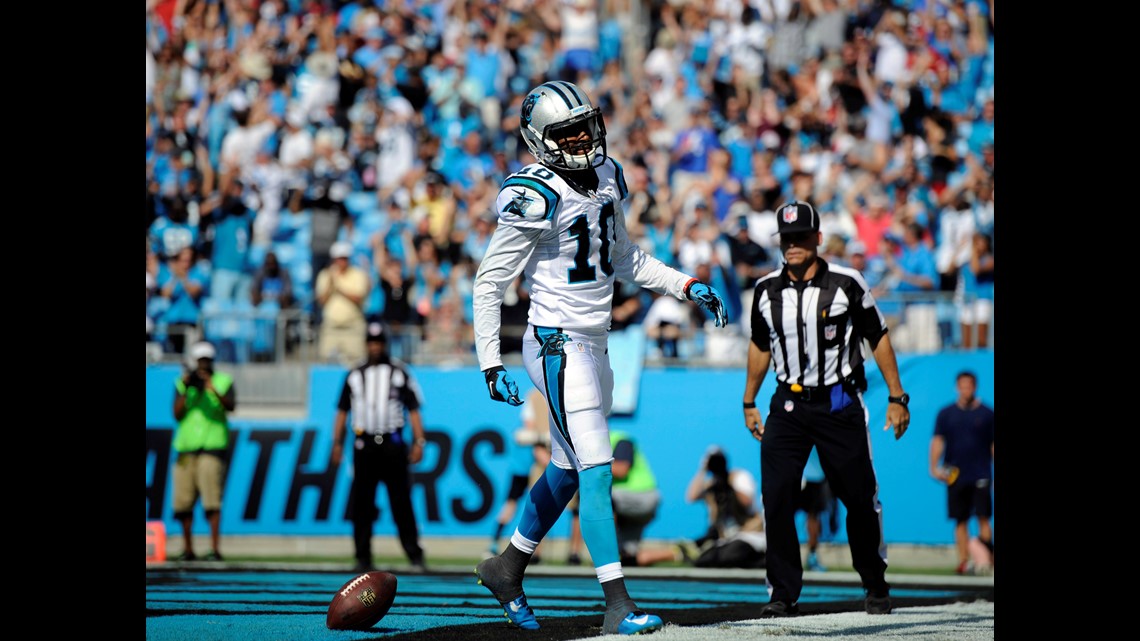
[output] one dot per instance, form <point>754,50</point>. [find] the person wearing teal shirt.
<point>203,398</point>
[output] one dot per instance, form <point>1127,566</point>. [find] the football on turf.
<point>362,602</point>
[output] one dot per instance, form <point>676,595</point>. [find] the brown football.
<point>362,602</point>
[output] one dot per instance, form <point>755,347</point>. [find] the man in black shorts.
<point>962,456</point>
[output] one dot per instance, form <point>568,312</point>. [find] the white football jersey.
<point>571,246</point>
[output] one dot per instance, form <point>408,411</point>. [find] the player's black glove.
<point>503,388</point>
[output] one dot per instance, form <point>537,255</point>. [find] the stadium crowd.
<point>278,128</point>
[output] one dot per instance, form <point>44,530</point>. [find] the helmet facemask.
<point>579,143</point>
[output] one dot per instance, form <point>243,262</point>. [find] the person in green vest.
<point>635,499</point>
<point>203,398</point>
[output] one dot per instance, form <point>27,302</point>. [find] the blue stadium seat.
<point>229,326</point>
<point>286,253</point>
<point>360,202</point>
<point>257,254</point>
<point>265,330</point>
<point>291,225</point>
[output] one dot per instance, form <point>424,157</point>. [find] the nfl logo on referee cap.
<point>796,217</point>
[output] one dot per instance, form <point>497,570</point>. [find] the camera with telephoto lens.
<point>195,380</point>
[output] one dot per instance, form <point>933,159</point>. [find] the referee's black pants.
<point>843,443</point>
<point>372,464</point>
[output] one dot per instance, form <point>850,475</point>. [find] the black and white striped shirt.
<point>815,329</point>
<point>377,395</point>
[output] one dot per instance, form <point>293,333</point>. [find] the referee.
<point>378,394</point>
<point>809,321</point>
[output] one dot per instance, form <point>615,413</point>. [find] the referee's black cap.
<point>796,217</point>
<point>376,332</point>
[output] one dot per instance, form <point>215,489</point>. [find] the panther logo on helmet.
<point>528,107</point>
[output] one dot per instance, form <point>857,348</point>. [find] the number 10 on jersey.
<point>579,230</point>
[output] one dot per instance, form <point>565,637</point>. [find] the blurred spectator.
<point>666,322</point>
<point>437,205</point>
<point>872,222</point>
<point>340,293</point>
<point>252,130</point>
<point>826,31</point>
<point>578,24</point>
<point>396,284</point>
<point>173,231</point>
<point>698,232</point>
<point>914,272</point>
<point>476,241</point>
<point>788,46</point>
<point>881,114</point>
<point>268,182</point>
<point>395,137</point>
<point>183,284</point>
<point>690,154</point>
<point>749,259</point>
<point>296,149</point>
<point>975,293</point>
<point>956,227</point>
<point>230,230</point>
<point>429,280</point>
<point>467,165</point>
<point>273,283</point>
<point>628,306</point>
<point>151,291</point>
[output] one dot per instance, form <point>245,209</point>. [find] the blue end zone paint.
<point>291,606</point>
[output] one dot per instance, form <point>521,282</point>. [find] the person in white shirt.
<point>562,225</point>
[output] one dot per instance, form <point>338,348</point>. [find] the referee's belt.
<point>820,394</point>
<point>380,438</point>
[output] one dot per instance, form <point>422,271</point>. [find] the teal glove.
<point>503,388</point>
<point>709,300</point>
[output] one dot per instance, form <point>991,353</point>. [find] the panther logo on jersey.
<point>528,107</point>
<point>518,204</point>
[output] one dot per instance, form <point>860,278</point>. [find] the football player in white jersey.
<point>561,223</point>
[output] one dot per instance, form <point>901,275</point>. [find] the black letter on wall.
<point>158,443</point>
<point>267,440</point>
<point>428,478</point>
<point>323,481</point>
<point>462,514</point>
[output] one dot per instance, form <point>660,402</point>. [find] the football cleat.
<point>638,622</point>
<point>516,609</point>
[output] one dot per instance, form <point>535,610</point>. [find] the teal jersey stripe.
<point>552,198</point>
<point>619,177</point>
